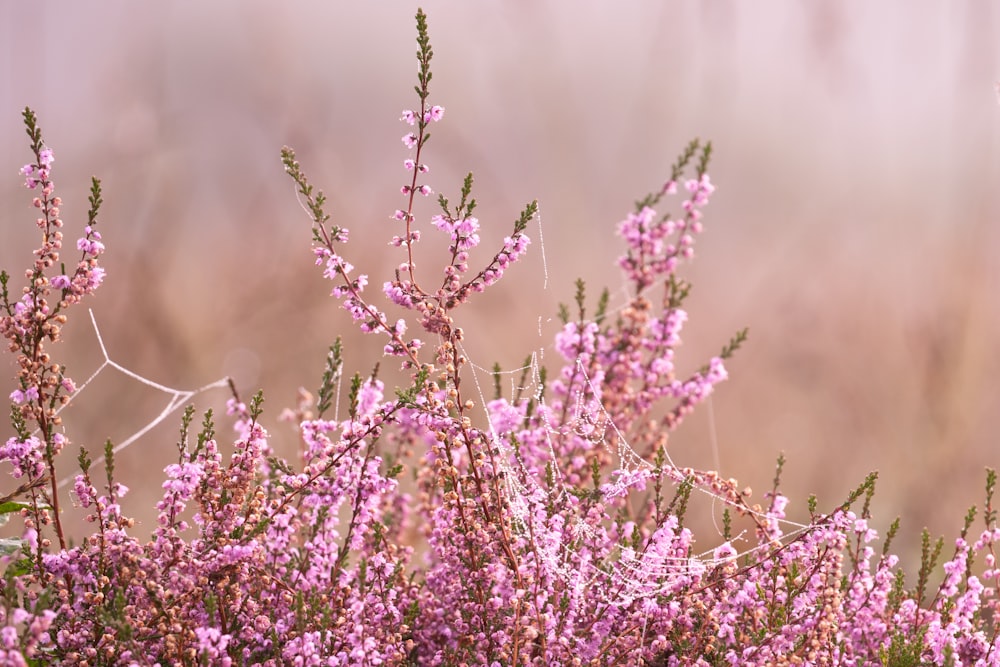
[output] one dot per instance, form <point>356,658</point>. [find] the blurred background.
<point>857,154</point>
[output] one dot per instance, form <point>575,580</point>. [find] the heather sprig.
<point>34,320</point>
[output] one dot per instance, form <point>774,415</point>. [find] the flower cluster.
<point>38,173</point>
<point>550,522</point>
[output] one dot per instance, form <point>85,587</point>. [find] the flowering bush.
<point>550,522</point>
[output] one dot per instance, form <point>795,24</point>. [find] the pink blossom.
<point>435,113</point>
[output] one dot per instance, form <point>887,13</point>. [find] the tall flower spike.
<point>36,319</point>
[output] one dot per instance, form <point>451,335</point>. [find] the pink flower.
<point>21,397</point>
<point>435,113</point>
<point>90,246</point>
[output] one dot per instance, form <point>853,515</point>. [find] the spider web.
<point>626,569</point>
<point>631,574</point>
<point>178,398</point>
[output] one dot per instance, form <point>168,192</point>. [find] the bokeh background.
<point>857,155</point>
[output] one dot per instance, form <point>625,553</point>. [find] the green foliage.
<point>928,561</point>
<point>779,466</point>
<point>352,395</point>
<point>407,397</point>
<point>677,291</point>
<point>704,159</point>
<point>83,458</point>
<point>990,512</point>
<point>17,421</point>
<point>970,516</point>
<point>602,307</point>
<point>31,127</point>
<point>862,489</point>
<point>677,170</point>
<point>4,294</point>
<point>523,380</point>
<point>95,200</point>
<point>331,377</point>
<point>529,212</point>
<point>186,420</point>
<point>866,508</point>
<point>257,405</point>
<point>678,506</point>
<point>898,592</point>
<point>904,650</point>
<point>497,389</point>
<point>424,55</point>
<point>890,536</point>
<point>659,459</point>
<point>543,373</point>
<point>207,430</point>
<point>734,343</point>
<point>466,204</point>
<point>595,473</point>
<point>314,200</point>
<point>109,464</point>
<point>563,314</point>
<point>580,297</point>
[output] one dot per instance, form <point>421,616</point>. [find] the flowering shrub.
<point>550,521</point>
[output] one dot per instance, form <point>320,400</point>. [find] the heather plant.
<point>550,518</point>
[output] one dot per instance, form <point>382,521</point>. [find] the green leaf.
<point>12,506</point>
